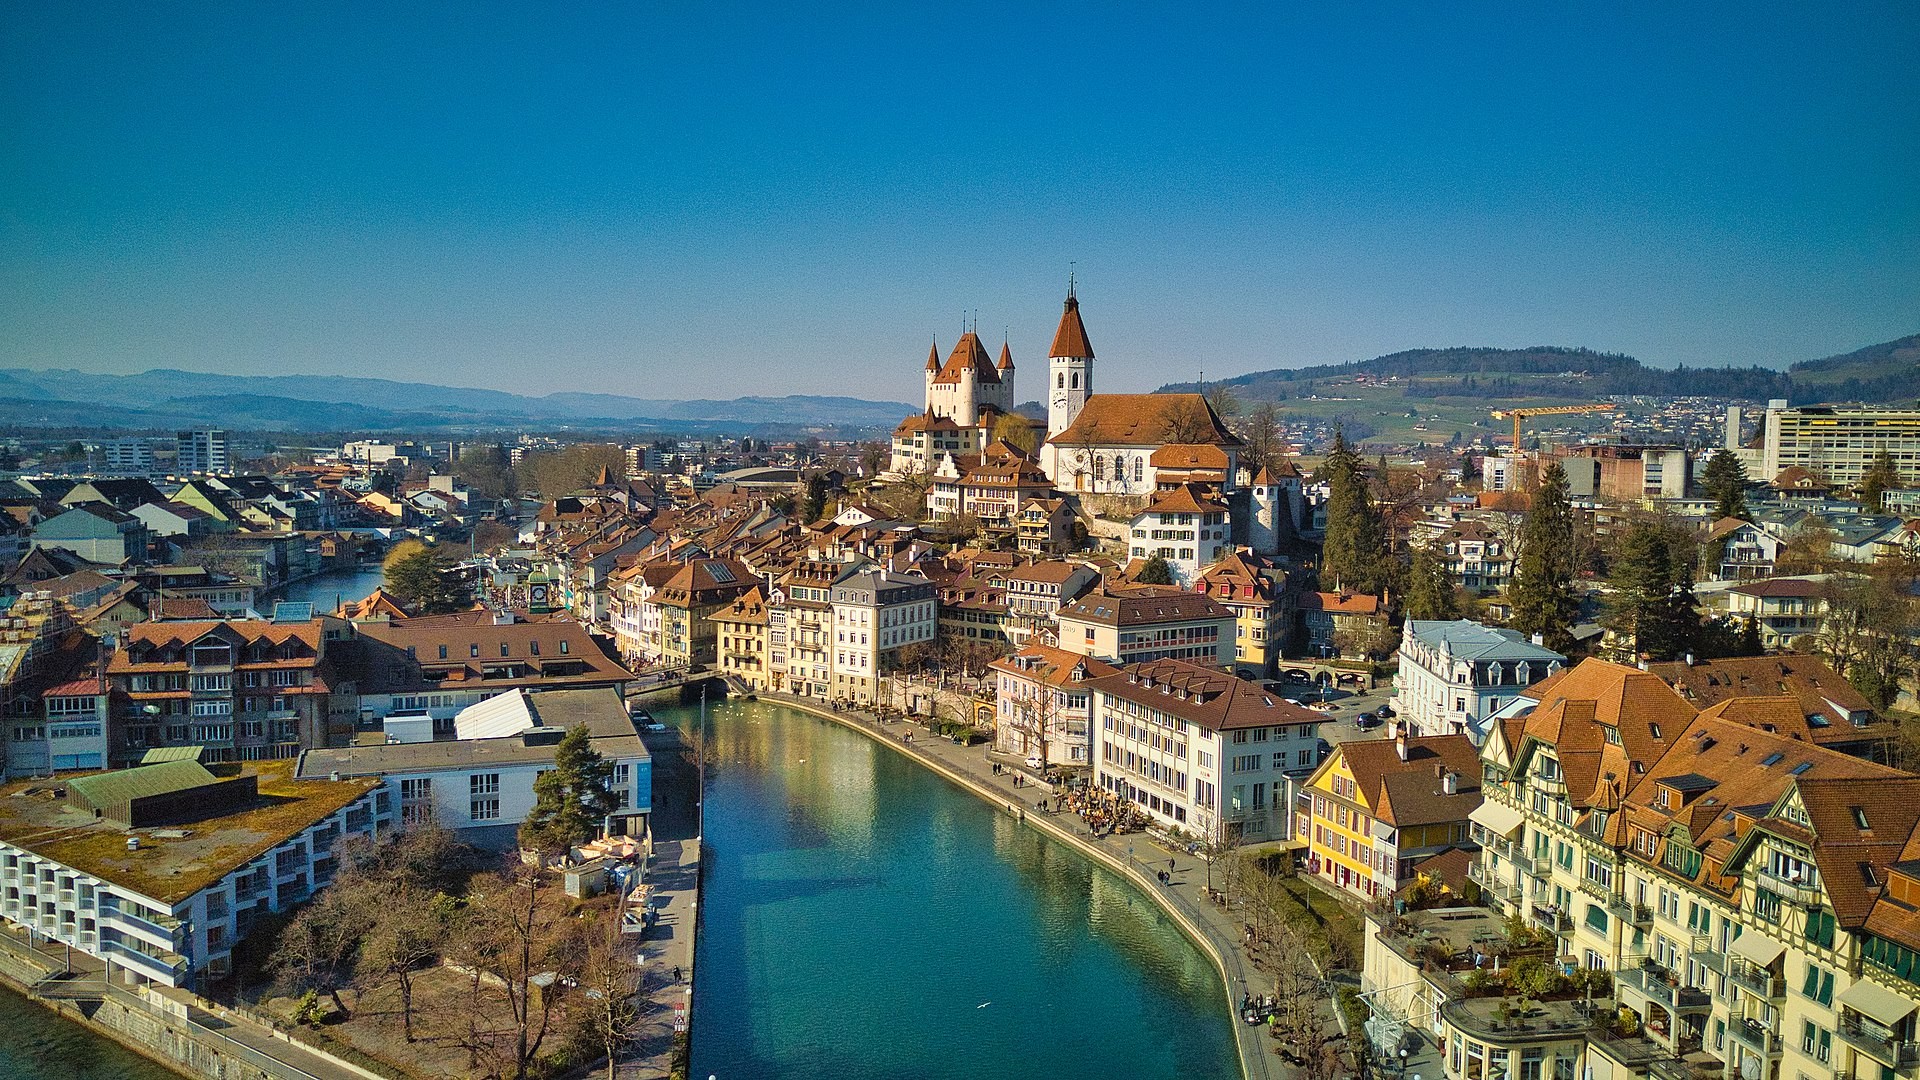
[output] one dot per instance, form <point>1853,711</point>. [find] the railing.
<point>1790,889</point>
<point>1628,911</point>
<point>1542,865</point>
<point>165,926</point>
<point>1757,980</point>
<point>173,972</point>
<point>1755,1038</point>
<point>1595,889</point>
<point>1703,950</point>
<point>1878,1042</point>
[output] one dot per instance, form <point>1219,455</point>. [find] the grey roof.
<point>1464,639</point>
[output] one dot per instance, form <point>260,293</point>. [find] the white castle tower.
<point>969,381</point>
<point>1069,368</point>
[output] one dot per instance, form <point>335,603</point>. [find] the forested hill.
<point>1885,372</point>
<point>1888,372</point>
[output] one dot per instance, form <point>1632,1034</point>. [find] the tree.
<point>1223,400</point>
<point>1353,551</point>
<point>1809,550</point>
<point>1725,482</point>
<point>612,1013</point>
<point>1861,633</point>
<point>1430,587</point>
<point>1874,483</point>
<point>813,504</point>
<point>317,949</point>
<point>408,933</point>
<point>553,473</point>
<point>486,471</point>
<point>572,800</point>
<point>874,458</point>
<point>1017,431</point>
<point>1156,571</point>
<point>515,937</point>
<point>1653,602</point>
<point>1264,437</point>
<point>417,575</point>
<point>1189,421</point>
<point>1543,595</point>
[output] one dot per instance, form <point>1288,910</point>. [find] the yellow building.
<point>1374,810</point>
<point>1252,588</point>
<point>740,632</point>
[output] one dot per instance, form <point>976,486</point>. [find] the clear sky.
<point>711,199</point>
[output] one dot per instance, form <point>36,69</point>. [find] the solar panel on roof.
<point>722,573</point>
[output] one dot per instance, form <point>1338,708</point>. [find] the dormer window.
<point>1860,818</point>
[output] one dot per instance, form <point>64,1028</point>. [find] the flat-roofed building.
<point>479,783</point>
<point>161,870</point>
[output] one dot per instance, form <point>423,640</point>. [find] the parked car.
<point>1387,713</point>
<point>1366,720</point>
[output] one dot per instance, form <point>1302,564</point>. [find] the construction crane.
<point>1517,415</point>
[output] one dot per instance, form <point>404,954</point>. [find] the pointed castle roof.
<point>933,356</point>
<point>1071,338</point>
<point>968,354</point>
<point>1006,357</point>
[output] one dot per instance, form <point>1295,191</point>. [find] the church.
<point>1119,444</point>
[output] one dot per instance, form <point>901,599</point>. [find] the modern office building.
<point>202,452</point>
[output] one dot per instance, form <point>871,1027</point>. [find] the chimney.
<point>1689,659</point>
<point>1450,783</point>
<point>1400,746</point>
<point>1540,640</point>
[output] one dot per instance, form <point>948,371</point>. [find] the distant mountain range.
<point>165,398</point>
<point>1888,372</point>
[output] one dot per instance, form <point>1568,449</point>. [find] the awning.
<point>1873,1000</point>
<point>1756,948</point>
<point>1497,818</point>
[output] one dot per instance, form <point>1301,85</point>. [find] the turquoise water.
<point>335,587</point>
<point>865,919</point>
<point>39,1044</point>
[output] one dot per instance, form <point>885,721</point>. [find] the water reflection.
<point>864,918</point>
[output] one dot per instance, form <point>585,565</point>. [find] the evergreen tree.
<point>571,801</point>
<point>1543,595</point>
<point>1354,552</point>
<point>416,575</point>
<point>1653,605</point>
<point>1874,483</point>
<point>1430,592</point>
<point>1155,572</point>
<point>1725,481</point>
<point>815,502</point>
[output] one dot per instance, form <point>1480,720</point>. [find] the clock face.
<point>1060,400</point>
<point>539,592</point>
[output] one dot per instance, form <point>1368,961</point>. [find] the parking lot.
<point>1348,705</point>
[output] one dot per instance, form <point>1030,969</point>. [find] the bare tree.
<point>612,1012</point>
<point>408,933</point>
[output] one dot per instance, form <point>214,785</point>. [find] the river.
<point>39,1044</point>
<point>327,591</point>
<point>865,919</point>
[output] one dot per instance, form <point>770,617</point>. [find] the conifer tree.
<point>1543,596</point>
<point>1653,604</point>
<point>1874,483</point>
<point>1353,554</point>
<point>571,800</point>
<point>1430,592</point>
<point>1725,481</point>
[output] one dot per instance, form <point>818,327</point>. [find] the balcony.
<point>1802,891</point>
<point>1877,1042</point>
<point>1758,981</point>
<point>1703,950</point>
<point>164,927</point>
<point>1542,866</point>
<point>1629,912</point>
<point>1755,1038</point>
<point>169,968</point>
<point>1595,889</point>
<point>1659,984</point>
<point>1557,922</point>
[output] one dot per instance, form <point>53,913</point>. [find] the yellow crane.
<point>1517,415</point>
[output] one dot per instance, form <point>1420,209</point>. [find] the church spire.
<point>1071,338</point>
<point>1006,357</point>
<point>933,356</point>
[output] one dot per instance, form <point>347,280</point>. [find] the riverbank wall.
<point>1255,1055</point>
<point>169,1027</point>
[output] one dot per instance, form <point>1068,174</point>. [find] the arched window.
<point>1139,469</point>
<point>1119,468</point>
<point>1076,380</point>
<point>1099,465</point>
<point>1060,380</point>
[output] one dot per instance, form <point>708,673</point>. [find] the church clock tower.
<point>1069,368</point>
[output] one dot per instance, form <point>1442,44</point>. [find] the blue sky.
<point>708,199</point>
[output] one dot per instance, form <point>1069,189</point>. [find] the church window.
<point>1119,468</point>
<point>1060,380</point>
<point>1139,469</point>
<point>1099,465</point>
<point>1076,380</point>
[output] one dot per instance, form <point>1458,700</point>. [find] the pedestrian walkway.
<point>1133,855</point>
<point>666,958</point>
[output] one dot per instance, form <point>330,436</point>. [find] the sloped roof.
<point>1055,667</point>
<point>1070,340</point>
<point>1412,792</point>
<point>1464,639</point>
<point>101,790</point>
<point>1183,499</point>
<point>1140,420</point>
<point>1578,702</point>
<point>1828,704</point>
<point>1201,695</point>
<point>968,355</point>
<point>1189,456</point>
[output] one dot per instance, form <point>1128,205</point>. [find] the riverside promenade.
<point>1134,856</point>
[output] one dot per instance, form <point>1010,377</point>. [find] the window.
<point>483,784</point>
<point>416,789</point>
<point>487,809</point>
<point>1818,985</point>
<point>443,652</point>
<point>473,650</point>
